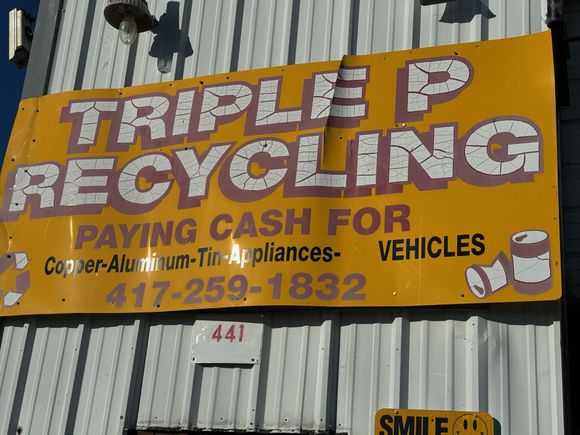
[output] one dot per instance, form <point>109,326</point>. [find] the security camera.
<point>21,30</point>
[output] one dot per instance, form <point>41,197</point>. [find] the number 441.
<point>231,334</point>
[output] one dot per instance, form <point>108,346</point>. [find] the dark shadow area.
<point>138,372</point>
<point>566,48</point>
<point>353,26</point>
<point>78,378</point>
<point>185,24</point>
<point>571,358</point>
<point>170,39</point>
<point>235,60</point>
<point>293,32</point>
<point>496,427</point>
<point>463,11</point>
<point>130,71</point>
<point>82,65</point>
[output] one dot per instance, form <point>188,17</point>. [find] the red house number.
<point>231,334</point>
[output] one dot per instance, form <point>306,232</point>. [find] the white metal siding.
<point>88,54</point>
<point>98,374</point>
<point>319,370</point>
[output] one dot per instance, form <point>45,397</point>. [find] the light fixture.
<point>131,17</point>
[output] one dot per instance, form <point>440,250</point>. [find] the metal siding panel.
<point>92,72</point>
<point>50,379</point>
<point>294,385</point>
<point>374,366</point>
<point>211,37</point>
<point>504,361</point>
<point>68,51</point>
<point>373,36</point>
<point>110,357</point>
<point>267,35</point>
<point>15,349</point>
<point>196,17</point>
<point>227,398</point>
<point>180,394</point>
<point>554,420</point>
<point>38,72</point>
<point>323,30</point>
<point>164,400</point>
<point>266,29</point>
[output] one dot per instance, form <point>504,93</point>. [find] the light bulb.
<point>128,30</point>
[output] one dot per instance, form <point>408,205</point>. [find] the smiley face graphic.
<point>469,424</point>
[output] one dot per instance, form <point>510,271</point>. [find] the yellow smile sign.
<point>423,422</point>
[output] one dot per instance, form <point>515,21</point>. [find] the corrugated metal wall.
<point>217,36</point>
<point>319,370</point>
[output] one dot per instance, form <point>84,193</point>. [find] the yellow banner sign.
<point>427,422</point>
<point>421,177</point>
